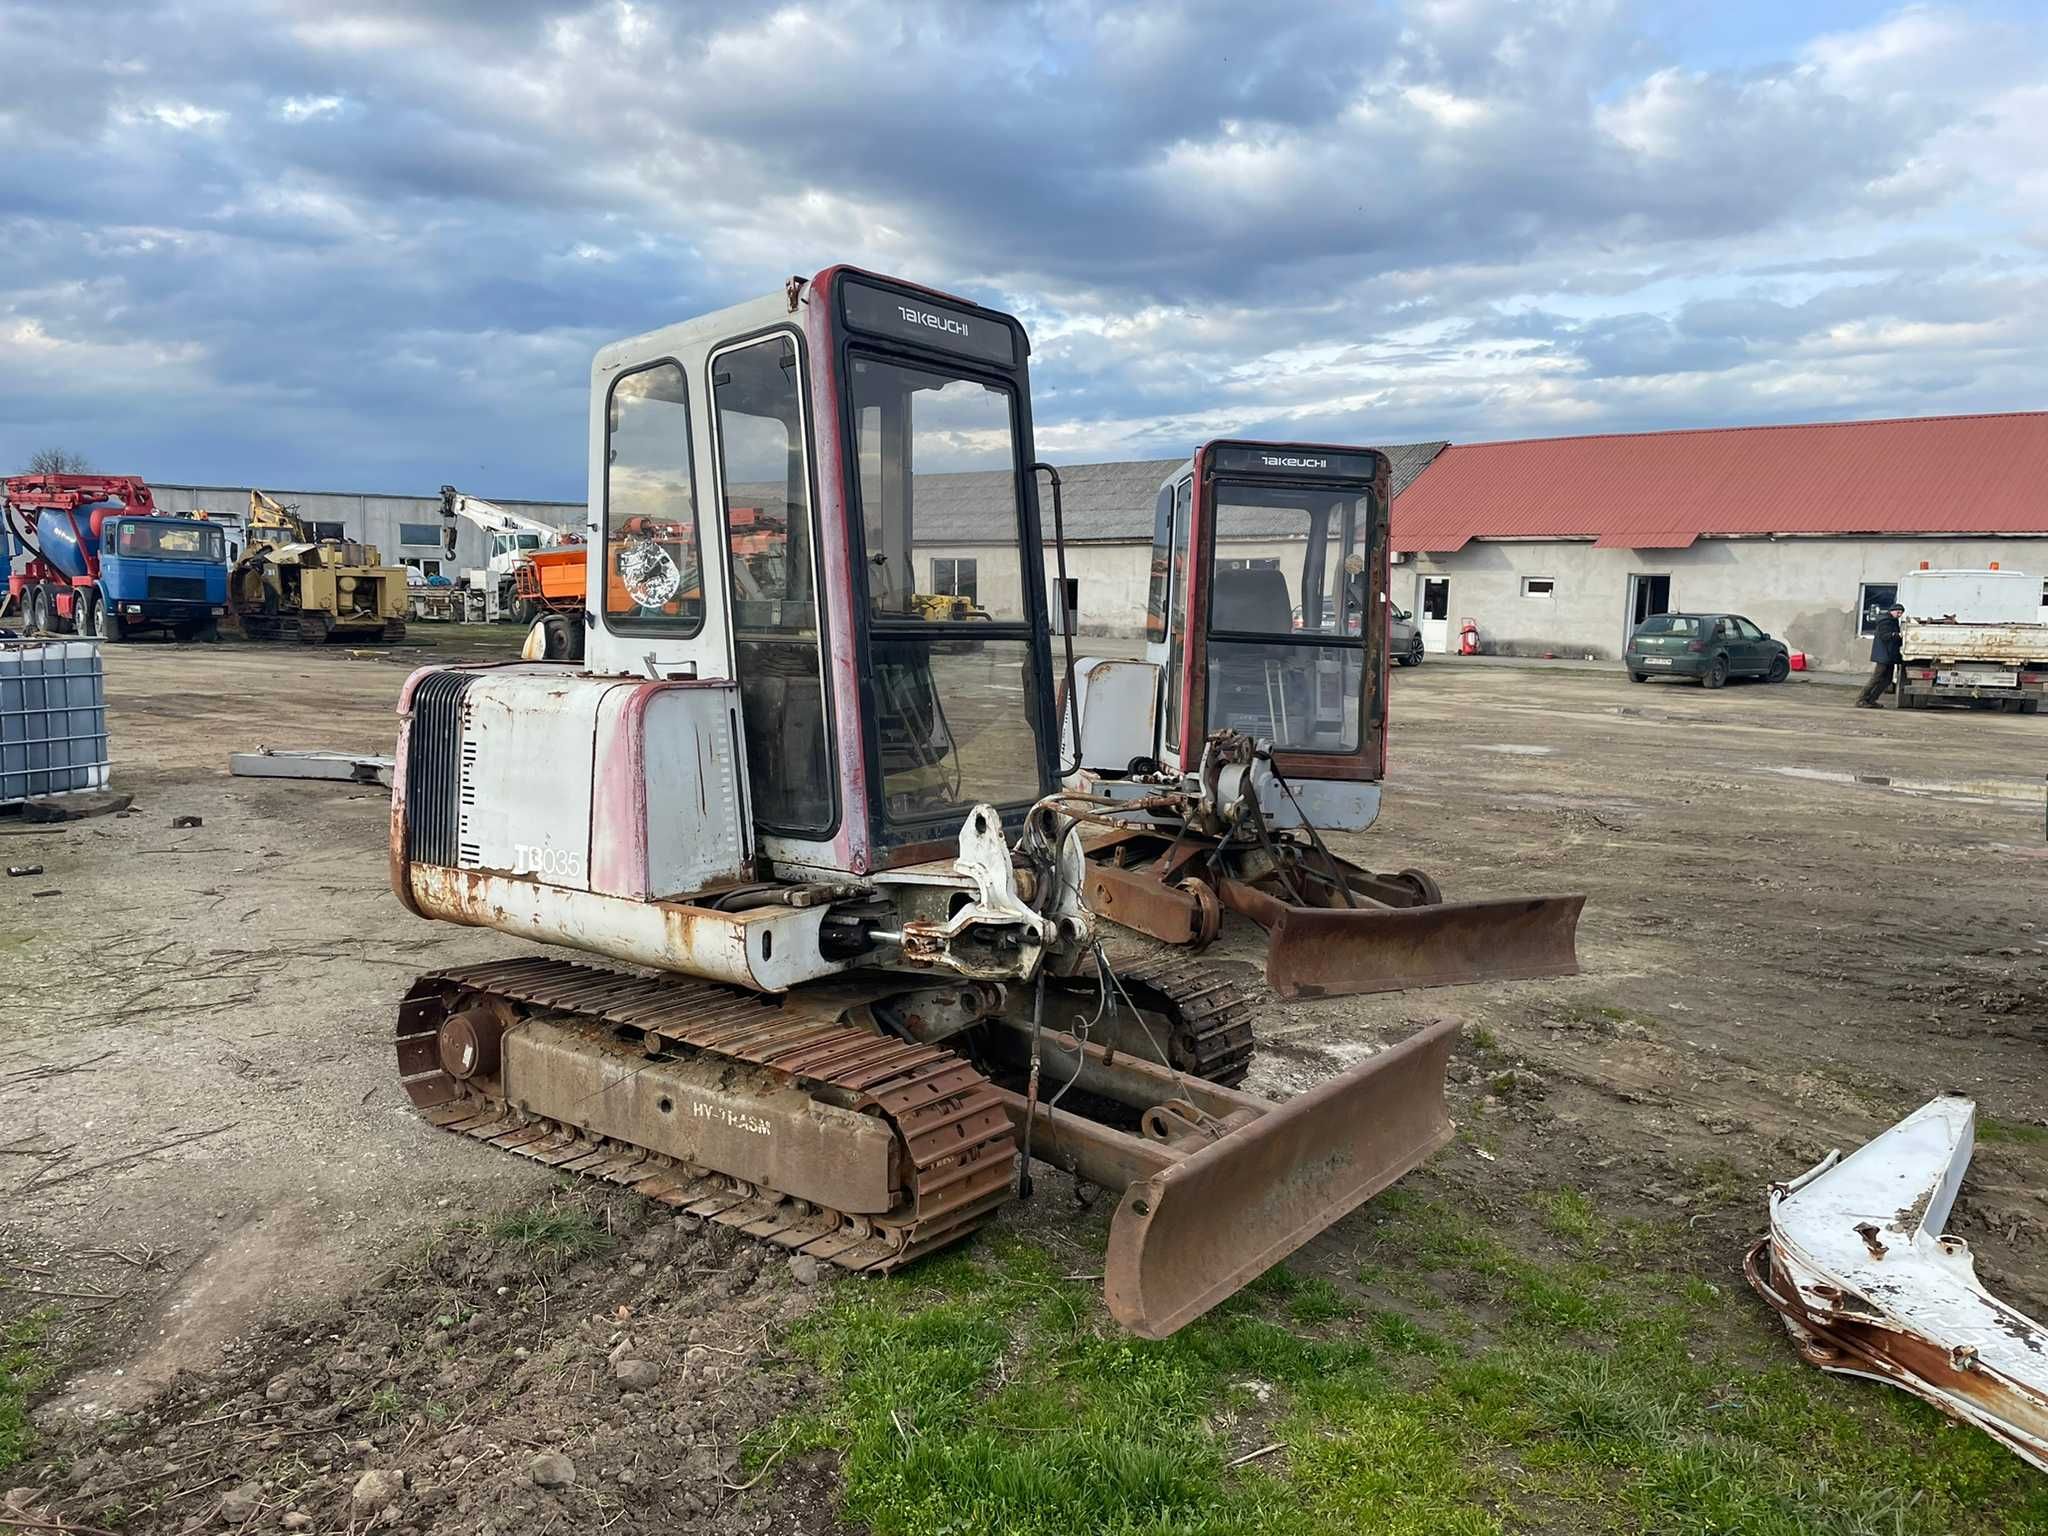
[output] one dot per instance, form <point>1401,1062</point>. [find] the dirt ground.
<point>1803,920</point>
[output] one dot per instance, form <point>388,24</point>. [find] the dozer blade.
<point>1197,1231</point>
<point>1339,951</point>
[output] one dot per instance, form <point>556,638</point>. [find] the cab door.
<point>1166,610</point>
<point>763,477</point>
<point>655,576</point>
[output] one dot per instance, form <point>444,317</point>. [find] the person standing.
<point>1885,656</point>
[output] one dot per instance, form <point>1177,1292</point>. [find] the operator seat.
<point>1257,689</point>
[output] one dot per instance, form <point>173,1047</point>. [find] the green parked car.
<point>1706,648</point>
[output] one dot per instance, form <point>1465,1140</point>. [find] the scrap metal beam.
<point>342,767</point>
<point>1868,1283</point>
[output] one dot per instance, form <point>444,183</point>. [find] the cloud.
<point>375,243</point>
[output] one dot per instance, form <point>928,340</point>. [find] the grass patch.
<point>1571,1215</point>
<point>1993,1131</point>
<point>555,1234</point>
<point>26,1368</point>
<point>986,1393</point>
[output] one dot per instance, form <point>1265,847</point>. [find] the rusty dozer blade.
<point>1200,1230</point>
<point>1340,951</point>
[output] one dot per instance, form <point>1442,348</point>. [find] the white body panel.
<point>645,799</point>
<point>1996,619</point>
<point>1332,805</point>
<point>1119,706</point>
<point>1972,597</point>
<point>2010,644</point>
<point>768,949</point>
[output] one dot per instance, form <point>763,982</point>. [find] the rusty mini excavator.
<point>1257,721</point>
<point>852,989</point>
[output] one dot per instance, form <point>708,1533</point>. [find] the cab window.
<point>1177,608</point>
<point>1162,559</point>
<point>764,470</point>
<point>653,573</point>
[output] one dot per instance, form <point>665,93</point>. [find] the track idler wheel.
<point>470,1043</point>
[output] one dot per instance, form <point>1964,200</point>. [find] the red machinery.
<point>62,571</point>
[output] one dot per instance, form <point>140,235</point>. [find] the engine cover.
<point>617,786</point>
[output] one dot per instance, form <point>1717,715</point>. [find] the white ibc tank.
<point>53,719</point>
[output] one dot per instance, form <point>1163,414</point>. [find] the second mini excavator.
<point>1256,722</point>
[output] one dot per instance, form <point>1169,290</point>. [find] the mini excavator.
<point>836,984</point>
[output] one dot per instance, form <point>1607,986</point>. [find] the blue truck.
<point>102,561</point>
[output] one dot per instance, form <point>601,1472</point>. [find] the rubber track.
<point>958,1147</point>
<point>1211,1014</point>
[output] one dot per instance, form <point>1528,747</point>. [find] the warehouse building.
<point>405,529</point>
<point>1562,545</point>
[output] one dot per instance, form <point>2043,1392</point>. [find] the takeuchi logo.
<point>926,318</point>
<point>1279,461</point>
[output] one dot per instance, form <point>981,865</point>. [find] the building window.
<point>1539,586</point>
<point>1872,599</point>
<point>1067,594</point>
<point>954,578</point>
<point>419,533</point>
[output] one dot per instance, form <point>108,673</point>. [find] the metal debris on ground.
<point>1868,1283</point>
<point>179,823</point>
<point>279,763</point>
<point>16,871</point>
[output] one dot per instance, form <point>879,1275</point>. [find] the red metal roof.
<point>1662,490</point>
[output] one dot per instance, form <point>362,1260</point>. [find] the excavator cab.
<point>829,838</point>
<point>774,485</point>
<point>1276,626</point>
<point>1257,722</point>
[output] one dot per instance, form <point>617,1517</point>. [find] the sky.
<point>374,246</point>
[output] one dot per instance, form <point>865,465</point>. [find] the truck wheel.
<point>1717,673</point>
<point>562,636</point>
<point>111,625</point>
<point>1639,677</point>
<point>208,632</point>
<point>34,619</point>
<point>2030,706</point>
<point>85,612</point>
<point>1780,670</point>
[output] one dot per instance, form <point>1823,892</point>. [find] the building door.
<point>1646,595</point>
<point>1433,613</point>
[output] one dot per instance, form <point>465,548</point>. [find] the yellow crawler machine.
<point>849,989</point>
<point>288,585</point>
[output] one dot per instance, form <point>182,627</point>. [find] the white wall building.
<point>1561,545</point>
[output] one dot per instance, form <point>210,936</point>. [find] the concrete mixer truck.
<point>102,561</point>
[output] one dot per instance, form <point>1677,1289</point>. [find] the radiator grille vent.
<point>436,769</point>
<point>178,589</point>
